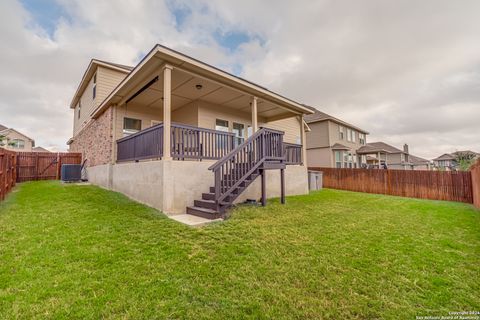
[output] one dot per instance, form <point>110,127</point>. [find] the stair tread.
<point>206,210</point>
<point>206,200</point>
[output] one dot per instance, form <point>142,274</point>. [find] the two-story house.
<point>333,143</point>
<point>186,137</point>
<point>14,140</point>
<point>449,161</point>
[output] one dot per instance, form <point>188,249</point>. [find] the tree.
<point>465,160</point>
<point>3,140</point>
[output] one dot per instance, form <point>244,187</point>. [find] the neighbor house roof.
<point>39,149</point>
<point>6,131</point>
<point>2,127</point>
<point>164,55</point>
<point>375,147</point>
<point>445,156</point>
<point>417,160</point>
<point>92,67</point>
<point>338,146</point>
<point>322,116</point>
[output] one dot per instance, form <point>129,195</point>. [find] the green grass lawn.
<point>71,251</point>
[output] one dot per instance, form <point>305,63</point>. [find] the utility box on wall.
<point>315,180</point>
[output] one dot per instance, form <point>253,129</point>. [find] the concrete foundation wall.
<point>170,186</point>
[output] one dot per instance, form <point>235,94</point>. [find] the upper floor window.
<point>349,134</point>
<point>94,89</point>
<point>402,157</point>
<point>79,108</point>
<point>361,138</point>
<point>341,132</point>
<point>17,143</point>
<point>354,136</point>
<point>131,126</point>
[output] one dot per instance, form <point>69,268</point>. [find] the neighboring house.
<point>183,136</point>
<point>39,149</point>
<point>449,161</point>
<point>332,142</point>
<point>15,140</point>
<point>420,163</point>
<point>446,161</point>
<point>383,155</point>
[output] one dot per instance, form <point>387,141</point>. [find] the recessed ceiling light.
<point>199,87</point>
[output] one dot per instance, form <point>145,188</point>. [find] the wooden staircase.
<point>238,169</point>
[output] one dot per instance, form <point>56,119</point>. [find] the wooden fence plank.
<point>43,165</point>
<point>476,184</point>
<point>435,185</point>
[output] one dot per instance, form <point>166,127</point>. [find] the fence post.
<point>57,176</point>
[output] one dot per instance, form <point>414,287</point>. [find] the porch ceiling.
<point>185,91</point>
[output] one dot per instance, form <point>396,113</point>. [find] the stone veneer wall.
<point>94,141</point>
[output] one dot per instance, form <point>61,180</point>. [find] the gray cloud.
<point>407,71</point>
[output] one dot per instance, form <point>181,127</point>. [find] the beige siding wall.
<point>291,127</point>
<point>335,138</point>
<point>318,137</point>
<point>107,80</point>
<point>320,157</point>
<point>145,114</point>
<point>208,113</point>
<point>187,114</point>
<point>88,104</point>
<point>12,135</point>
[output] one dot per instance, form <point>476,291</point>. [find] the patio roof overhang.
<point>194,80</point>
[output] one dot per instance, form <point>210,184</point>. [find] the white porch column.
<point>303,141</point>
<point>167,110</point>
<point>254,115</point>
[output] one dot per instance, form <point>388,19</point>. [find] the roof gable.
<point>90,71</point>
<point>322,116</point>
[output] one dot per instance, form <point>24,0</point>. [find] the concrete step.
<point>209,204</point>
<point>203,212</point>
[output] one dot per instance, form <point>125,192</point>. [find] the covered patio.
<point>184,109</point>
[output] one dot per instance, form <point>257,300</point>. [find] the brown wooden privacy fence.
<point>435,185</point>
<point>475,170</point>
<point>7,172</point>
<point>43,165</point>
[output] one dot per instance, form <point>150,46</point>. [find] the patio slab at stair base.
<point>170,186</point>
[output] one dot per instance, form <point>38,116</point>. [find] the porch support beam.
<point>282,187</point>
<point>303,141</point>
<point>167,110</point>
<point>264,189</point>
<point>254,115</point>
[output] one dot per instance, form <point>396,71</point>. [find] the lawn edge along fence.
<point>43,165</point>
<point>475,170</point>
<point>29,166</point>
<point>8,174</point>
<point>434,185</point>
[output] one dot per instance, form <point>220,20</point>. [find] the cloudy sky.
<point>407,71</point>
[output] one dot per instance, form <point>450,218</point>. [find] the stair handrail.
<point>262,156</point>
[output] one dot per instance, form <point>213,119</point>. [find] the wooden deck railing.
<point>187,142</point>
<point>190,142</point>
<point>145,144</point>
<point>293,153</point>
